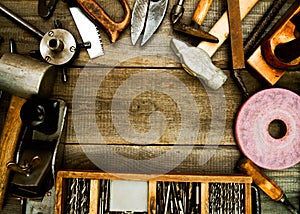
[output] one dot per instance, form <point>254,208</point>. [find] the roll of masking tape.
<point>267,128</point>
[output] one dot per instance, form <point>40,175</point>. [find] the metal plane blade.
<point>138,19</point>
<point>156,12</point>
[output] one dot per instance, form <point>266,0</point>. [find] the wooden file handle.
<point>9,141</point>
<point>201,11</point>
<point>265,183</point>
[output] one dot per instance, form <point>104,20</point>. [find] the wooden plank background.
<point>156,56</point>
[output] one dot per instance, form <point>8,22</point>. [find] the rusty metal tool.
<point>264,59</point>
<point>46,8</point>
<point>281,50</point>
<point>96,13</point>
<point>236,40</point>
<point>194,28</point>
<point>147,16</point>
<point>265,183</point>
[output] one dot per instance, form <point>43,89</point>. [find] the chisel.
<point>265,183</point>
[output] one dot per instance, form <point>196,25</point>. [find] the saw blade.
<point>138,19</point>
<point>156,13</point>
<point>89,32</point>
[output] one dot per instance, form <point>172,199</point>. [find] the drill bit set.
<point>104,193</point>
<point>186,197</point>
<point>78,196</point>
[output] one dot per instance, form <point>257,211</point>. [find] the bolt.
<point>51,33</point>
<point>48,58</point>
<point>72,49</point>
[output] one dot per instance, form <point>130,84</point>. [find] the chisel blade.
<point>89,32</point>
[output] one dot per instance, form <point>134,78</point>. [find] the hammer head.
<point>24,77</point>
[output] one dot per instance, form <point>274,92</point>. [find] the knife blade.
<point>156,13</point>
<point>138,19</point>
<point>147,15</point>
<point>88,31</point>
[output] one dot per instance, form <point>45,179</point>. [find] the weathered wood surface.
<point>155,58</point>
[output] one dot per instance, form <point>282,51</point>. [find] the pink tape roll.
<point>253,123</point>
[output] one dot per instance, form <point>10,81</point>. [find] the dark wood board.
<point>156,57</point>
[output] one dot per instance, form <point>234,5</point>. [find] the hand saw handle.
<point>98,14</point>
<point>9,141</point>
<point>201,11</point>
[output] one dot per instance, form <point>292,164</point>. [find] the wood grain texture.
<point>8,142</point>
<point>128,61</point>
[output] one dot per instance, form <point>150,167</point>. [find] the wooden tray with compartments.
<point>234,188</point>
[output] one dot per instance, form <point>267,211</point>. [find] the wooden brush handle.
<point>201,11</point>
<point>9,141</point>
<point>265,183</point>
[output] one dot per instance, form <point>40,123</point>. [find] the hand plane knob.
<point>26,167</point>
<point>198,63</point>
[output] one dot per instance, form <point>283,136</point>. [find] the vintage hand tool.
<point>147,16</point>
<point>236,40</point>
<point>78,196</point>
<point>258,31</point>
<point>37,156</point>
<point>194,28</point>
<point>99,16</point>
<point>265,183</point>
<point>281,50</point>
<point>46,8</point>
<point>89,32</point>
<point>57,46</point>
<point>221,27</point>
<point>22,77</point>
<point>198,63</point>
<point>275,55</point>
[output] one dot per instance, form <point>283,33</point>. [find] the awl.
<point>89,32</point>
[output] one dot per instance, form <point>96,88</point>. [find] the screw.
<point>51,33</point>
<point>72,49</point>
<point>48,58</point>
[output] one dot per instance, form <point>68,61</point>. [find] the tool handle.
<point>9,141</point>
<point>265,183</point>
<point>98,14</point>
<point>201,11</point>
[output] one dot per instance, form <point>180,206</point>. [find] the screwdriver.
<point>265,183</point>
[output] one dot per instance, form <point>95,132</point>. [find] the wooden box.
<point>204,181</point>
